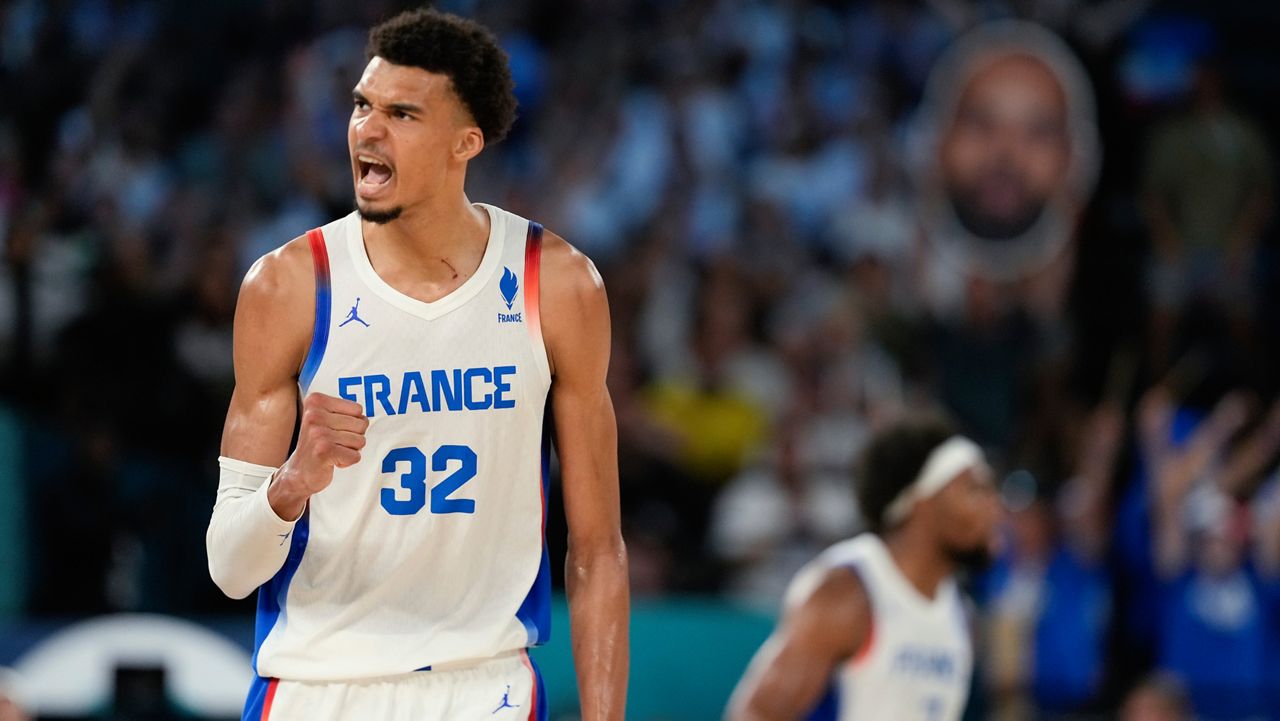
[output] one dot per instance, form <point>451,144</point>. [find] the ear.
<point>468,143</point>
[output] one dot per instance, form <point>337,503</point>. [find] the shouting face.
<point>409,137</point>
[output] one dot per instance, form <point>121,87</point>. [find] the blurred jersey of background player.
<point>875,627</point>
<point>398,551</point>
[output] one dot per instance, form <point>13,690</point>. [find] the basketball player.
<point>875,629</point>
<point>398,551</point>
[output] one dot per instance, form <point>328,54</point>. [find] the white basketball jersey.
<point>430,550</point>
<point>918,660</point>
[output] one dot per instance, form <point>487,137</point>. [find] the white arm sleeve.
<point>247,542</point>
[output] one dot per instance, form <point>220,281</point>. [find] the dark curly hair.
<point>892,460</point>
<point>459,48</point>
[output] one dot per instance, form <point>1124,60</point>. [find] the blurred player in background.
<point>398,551</point>
<point>875,628</point>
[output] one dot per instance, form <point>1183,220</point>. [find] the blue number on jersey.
<point>414,480</point>
<point>440,500</point>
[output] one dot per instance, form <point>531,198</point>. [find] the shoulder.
<point>834,601</point>
<point>832,589</point>
<point>568,274</point>
<point>841,590</point>
<point>280,275</point>
<point>277,296</point>
<point>575,309</point>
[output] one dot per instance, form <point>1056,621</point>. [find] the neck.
<point>921,563</point>
<point>449,229</point>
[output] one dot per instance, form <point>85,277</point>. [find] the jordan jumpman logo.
<point>354,314</point>
<point>506,701</point>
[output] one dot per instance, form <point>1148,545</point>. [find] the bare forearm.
<point>754,714</point>
<point>757,708</point>
<point>599,608</point>
<point>1170,539</point>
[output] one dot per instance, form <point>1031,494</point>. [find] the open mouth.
<point>373,171</point>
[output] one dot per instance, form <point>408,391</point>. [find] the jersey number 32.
<point>414,480</point>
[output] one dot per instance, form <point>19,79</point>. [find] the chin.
<point>379,216</point>
<point>989,224</point>
<point>975,558</point>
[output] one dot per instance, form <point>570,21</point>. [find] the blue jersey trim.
<point>828,708</point>
<point>271,595</point>
<point>253,705</point>
<point>320,334</point>
<point>535,611</point>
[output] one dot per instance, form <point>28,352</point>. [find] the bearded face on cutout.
<point>1012,149</point>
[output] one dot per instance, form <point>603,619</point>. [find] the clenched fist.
<point>331,436</point>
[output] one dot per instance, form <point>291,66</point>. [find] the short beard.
<point>992,227</point>
<point>380,217</point>
<point>976,558</point>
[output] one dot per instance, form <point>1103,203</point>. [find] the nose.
<point>368,127</point>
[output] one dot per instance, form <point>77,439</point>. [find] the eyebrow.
<point>359,97</point>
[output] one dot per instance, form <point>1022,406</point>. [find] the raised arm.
<point>1266,553</point>
<point>575,315</point>
<point>820,629</point>
<point>258,503</point>
<point>1176,471</point>
<point>1085,509</point>
<point>1245,467</point>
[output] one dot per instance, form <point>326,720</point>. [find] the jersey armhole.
<point>320,332</point>
<point>860,658</point>
<point>532,298</point>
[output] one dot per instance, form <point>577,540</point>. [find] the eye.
<point>402,115</point>
<point>361,104</point>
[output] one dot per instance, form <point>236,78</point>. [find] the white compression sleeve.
<point>247,542</point>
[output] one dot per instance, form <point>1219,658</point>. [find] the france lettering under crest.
<point>508,287</point>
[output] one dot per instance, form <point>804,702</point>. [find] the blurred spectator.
<point>1220,588</point>
<point>1049,594</point>
<point>1207,191</point>
<point>1158,698</point>
<point>717,407</point>
<point>777,515</point>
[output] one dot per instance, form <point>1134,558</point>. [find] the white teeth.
<point>371,161</point>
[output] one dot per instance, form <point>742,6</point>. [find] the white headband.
<point>955,456</point>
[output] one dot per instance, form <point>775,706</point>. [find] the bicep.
<point>272,330</point>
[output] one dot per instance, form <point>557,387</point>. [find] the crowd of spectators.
<point>742,173</point>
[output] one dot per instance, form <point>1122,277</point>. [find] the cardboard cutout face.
<point>1012,150</point>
